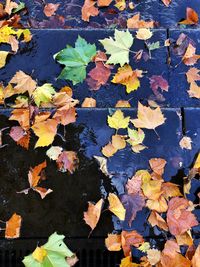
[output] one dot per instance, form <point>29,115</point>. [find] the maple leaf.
<point>13,226</point>
<point>54,253</point>
<point>194,90</point>
<point>191,17</point>
<point>89,102</point>
<point>113,242</point>
<point>118,49</point>
<point>148,118</point>
<point>43,94</point>
<point>157,165</point>
<point>23,83</point>
<point>128,77</point>
<point>179,219</point>
<point>92,215</point>
<point>118,121</point>
<point>46,131</point>
<point>131,238</point>
<point>22,116</point>
<point>67,161</point>
<point>144,34</point>
<point>3,57</point>
<point>190,58</point>
<point>193,75</point>
<point>116,207</point>
<point>76,60</point>
<point>65,115</point>
<point>50,9</point>
<point>89,9</point>
<point>135,22</point>
<point>156,220</point>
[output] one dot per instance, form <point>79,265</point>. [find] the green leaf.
<point>19,8</point>
<point>76,60</point>
<point>43,94</point>
<point>153,46</point>
<point>52,254</point>
<point>118,49</point>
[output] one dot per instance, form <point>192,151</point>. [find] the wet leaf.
<point>118,121</point>
<point>13,226</point>
<point>196,257</point>
<point>50,9</point>
<point>54,152</point>
<point>67,161</point>
<point>156,220</point>
<point>89,102</point>
<point>153,256</point>
<point>89,9</point>
<point>43,94</point>
<point>131,238</point>
<point>3,57</point>
<point>193,75</point>
<point>143,34</point>
<point>113,242</point>
<point>186,143</point>
<point>116,207</point>
<point>191,17</point>
<point>118,49</point>
<point>135,22</point>
<point>92,215</point>
<point>194,90</point>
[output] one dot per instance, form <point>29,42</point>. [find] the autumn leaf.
<point>20,136</point>
<point>166,2</point>
<point>108,150</point>
<point>179,219</point>
<point>76,60</point>
<point>191,17</point>
<point>22,116</point>
<point>148,118</point>
<point>159,205</point>
<point>143,34</point>
<point>89,102</point>
<point>92,215</point>
<point>113,242</point>
<point>65,115</point>
<point>43,94</point>
<point>3,57</point>
<point>156,220</point>
<point>13,226</point>
<point>153,256</point>
<point>127,262</point>
<point>128,77</point>
<point>170,190</point>
<point>136,137</point>
<point>10,5</point>
<point>23,83</point>
<point>151,188</point>
<point>157,165</point>
<point>46,131</point>
<point>135,22</point>
<point>194,90</point>
<point>156,82</point>
<point>34,174</point>
<point>130,238</point>
<point>89,9</point>
<point>186,143</point>
<point>116,207</point>
<point>118,121</point>
<point>122,104</point>
<point>118,49</point>
<point>193,75</point>
<point>190,57</point>
<point>50,9</point>
<point>53,253</point>
<point>67,161</point>
<point>103,3</point>
<point>196,257</point>
<point>53,152</point>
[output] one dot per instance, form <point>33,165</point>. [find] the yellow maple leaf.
<point>148,118</point>
<point>116,206</point>
<point>118,121</point>
<point>46,131</point>
<point>39,254</point>
<point>128,77</point>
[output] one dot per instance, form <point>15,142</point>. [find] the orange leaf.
<point>157,165</point>
<point>170,190</point>
<point>89,9</point>
<point>156,220</point>
<point>190,58</point>
<point>92,215</point>
<point>196,257</point>
<point>129,239</point>
<point>67,161</point>
<point>159,205</point>
<point>34,174</point>
<point>50,9</point>
<point>13,226</point>
<point>108,150</point>
<point>194,90</point>
<point>166,2</point>
<point>65,115</point>
<point>101,3</point>
<point>135,22</point>
<point>116,206</point>
<point>191,17</point>
<point>42,191</point>
<point>179,219</point>
<point>22,116</point>
<point>122,104</point>
<point>113,242</point>
<point>89,102</point>
<point>193,75</point>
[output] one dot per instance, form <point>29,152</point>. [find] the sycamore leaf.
<point>52,254</point>
<point>89,9</point>
<point>157,165</point>
<point>116,206</point>
<point>22,116</point>
<point>156,220</point>
<point>144,34</point>
<point>136,137</point>
<point>148,118</point>
<point>193,75</point>
<point>135,22</point>
<point>92,215</point>
<point>118,121</point>
<point>46,131</point>
<point>122,104</point>
<point>3,56</point>
<point>180,219</point>
<point>76,60</point>
<point>43,94</point>
<point>23,83</point>
<point>128,77</point>
<point>191,17</point>
<point>159,205</point>
<point>109,150</point>
<point>113,242</point>
<point>13,226</point>
<point>118,49</point>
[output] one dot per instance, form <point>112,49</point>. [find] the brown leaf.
<point>20,136</point>
<point>13,226</point>
<point>191,17</point>
<point>67,161</point>
<point>184,239</point>
<point>135,22</point>
<point>34,174</point>
<point>170,190</point>
<point>159,205</point>
<point>89,9</point>
<point>129,239</point>
<point>92,215</point>
<point>179,219</point>
<point>156,220</point>
<point>113,242</point>
<point>190,58</point>
<point>42,191</point>
<point>50,9</point>
<point>108,150</point>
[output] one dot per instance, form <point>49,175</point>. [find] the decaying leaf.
<point>131,238</point>
<point>67,161</point>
